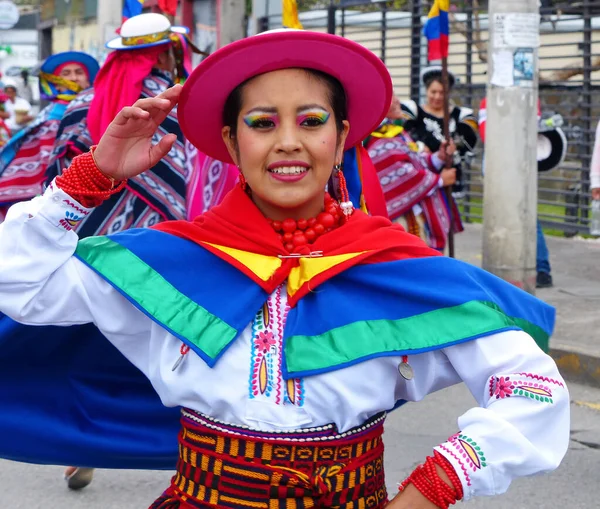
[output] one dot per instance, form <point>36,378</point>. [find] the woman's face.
<point>287,142</point>
<point>435,96</point>
<point>11,92</point>
<point>76,73</point>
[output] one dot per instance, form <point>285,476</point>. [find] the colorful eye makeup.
<point>261,120</point>
<point>306,118</point>
<point>313,118</point>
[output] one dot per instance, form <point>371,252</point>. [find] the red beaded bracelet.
<point>85,183</point>
<point>427,480</point>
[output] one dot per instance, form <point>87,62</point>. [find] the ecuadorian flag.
<point>132,8</point>
<point>437,30</point>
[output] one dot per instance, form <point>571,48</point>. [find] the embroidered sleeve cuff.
<point>60,209</point>
<point>468,458</point>
<point>491,451</point>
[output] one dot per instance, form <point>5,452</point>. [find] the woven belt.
<point>308,468</point>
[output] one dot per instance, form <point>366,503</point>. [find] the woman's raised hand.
<point>125,150</point>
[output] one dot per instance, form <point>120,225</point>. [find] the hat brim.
<point>88,61</point>
<point>117,42</point>
<point>553,149</point>
<point>363,75</point>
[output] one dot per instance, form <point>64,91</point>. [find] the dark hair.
<point>337,101</point>
<point>433,79</point>
<point>433,76</point>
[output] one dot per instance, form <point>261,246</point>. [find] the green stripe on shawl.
<point>156,296</point>
<point>428,331</point>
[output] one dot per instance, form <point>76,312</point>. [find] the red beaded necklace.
<point>296,235</point>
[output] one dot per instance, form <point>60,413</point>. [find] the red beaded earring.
<point>345,202</point>
<point>242,182</point>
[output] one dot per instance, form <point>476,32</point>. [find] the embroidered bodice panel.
<point>266,379</point>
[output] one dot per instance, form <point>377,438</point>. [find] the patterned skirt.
<point>224,466</point>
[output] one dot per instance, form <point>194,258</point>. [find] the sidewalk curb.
<point>577,367</point>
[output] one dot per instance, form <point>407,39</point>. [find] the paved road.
<point>410,434</point>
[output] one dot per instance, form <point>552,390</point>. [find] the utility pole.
<point>109,16</point>
<point>510,182</point>
<point>231,25</point>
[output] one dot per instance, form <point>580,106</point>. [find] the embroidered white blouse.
<point>520,426</point>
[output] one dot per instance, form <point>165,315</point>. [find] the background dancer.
<point>17,110</point>
<point>413,181</point>
<point>424,122</point>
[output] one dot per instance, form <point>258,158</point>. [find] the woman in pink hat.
<point>283,323</point>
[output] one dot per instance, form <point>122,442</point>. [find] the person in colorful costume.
<point>425,122</point>
<point>284,322</point>
<point>23,161</point>
<point>17,111</point>
<point>413,181</point>
<point>142,65</point>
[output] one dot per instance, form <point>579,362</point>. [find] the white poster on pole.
<point>516,30</point>
<point>503,75</point>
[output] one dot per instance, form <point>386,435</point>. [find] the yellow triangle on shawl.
<point>261,265</point>
<point>312,267</point>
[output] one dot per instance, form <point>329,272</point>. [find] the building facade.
<point>86,25</point>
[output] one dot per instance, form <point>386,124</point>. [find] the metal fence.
<point>569,79</point>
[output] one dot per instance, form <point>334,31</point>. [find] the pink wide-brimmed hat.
<point>363,75</point>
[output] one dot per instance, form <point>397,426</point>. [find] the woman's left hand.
<point>446,152</point>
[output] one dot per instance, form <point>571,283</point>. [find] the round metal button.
<point>406,371</point>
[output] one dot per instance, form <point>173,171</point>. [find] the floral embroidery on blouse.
<point>264,341</point>
<point>74,206</point>
<point>266,376</point>
<point>469,453</point>
<point>70,220</point>
<point>507,386</point>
